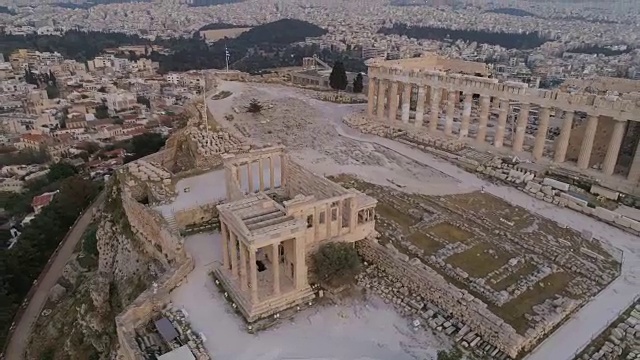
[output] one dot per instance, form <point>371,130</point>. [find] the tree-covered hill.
<point>281,32</point>
<point>507,40</point>
<point>263,47</point>
<point>74,44</point>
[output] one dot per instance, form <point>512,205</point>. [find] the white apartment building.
<point>120,101</point>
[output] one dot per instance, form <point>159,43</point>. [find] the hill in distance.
<point>281,32</point>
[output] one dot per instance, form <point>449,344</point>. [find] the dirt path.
<point>52,272</point>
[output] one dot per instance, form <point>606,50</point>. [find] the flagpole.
<point>226,56</point>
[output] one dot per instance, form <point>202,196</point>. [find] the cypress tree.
<point>358,84</point>
<point>338,77</point>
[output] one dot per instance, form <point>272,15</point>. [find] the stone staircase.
<point>264,308</point>
<point>171,221</point>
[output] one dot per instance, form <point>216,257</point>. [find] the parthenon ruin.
<point>282,220</point>
<point>592,127</point>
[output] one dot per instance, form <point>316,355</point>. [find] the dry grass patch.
<point>390,213</point>
<point>480,260</point>
<point>492,207</point>
<point>449,232</point>
<point>513,312</point>
<point>513,278</point>
<point>425,243</point>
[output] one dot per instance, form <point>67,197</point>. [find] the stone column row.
<point>379,97</point>
<point>234,258</point>
<point>261,180</point>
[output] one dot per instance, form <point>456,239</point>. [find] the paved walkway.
<point>20,336</point>
<point>590,320</point>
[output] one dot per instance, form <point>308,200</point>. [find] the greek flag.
<point>226,52</point>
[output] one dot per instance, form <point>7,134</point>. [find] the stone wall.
<point>165,246</point>
<point>196,215</point>
<point>151,301</point>
<point>152,231</point>
<point>458,303</point>
<point>302,181</point>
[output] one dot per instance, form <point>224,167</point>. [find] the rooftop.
<point>436,63</point>
<point>259,215</point>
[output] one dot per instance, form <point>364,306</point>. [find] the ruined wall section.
<point>153,231</point>
<point>143,308</point>
<point>197,215</point>
<point>166,247</point>
<point>424,281</point>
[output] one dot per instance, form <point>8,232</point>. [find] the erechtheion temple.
<point>592,125</point>
<point>280,217</point>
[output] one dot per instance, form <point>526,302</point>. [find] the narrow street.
<point>20,336</point>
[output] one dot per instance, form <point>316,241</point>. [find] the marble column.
<point>382,97</point>
<point>371,99</point>
<point>466,115</point>
<point>225,244</point>
<point>485,103</point>
<point>327,219</point>
<point>541,134</point>
<point>283,171</point>
<point>587,142</point>
<point>420,106</point>
<point>261,178</point>
<point>563,140</point>
<point>451,108</point>
<point>275,268</point>
<point>435,109</point>
<point>611,158</point>
<point>272,179</point>
<point>243,266</point>
<point>498,138</point>
<point>406,101</point>
<point>634,171</point>
<point>521,126</point>
<point>234,253</point>
<point>300,272</point>
<point>253,275</point>
<point>393,101</point>
<point>250,177</point>
<point>353,215</point>
<point>340,208</point>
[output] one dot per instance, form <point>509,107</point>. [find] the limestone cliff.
<point>80,316</point>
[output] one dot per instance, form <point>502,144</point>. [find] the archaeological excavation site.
<point>472,230</point>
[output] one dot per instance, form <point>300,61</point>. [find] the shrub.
<point>254,106</point>
<point>336,262</point>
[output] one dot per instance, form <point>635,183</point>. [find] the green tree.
<point>24,157</point>
<point>336,262</point>
<point>144,101</point>
<point>254,106</point>
<point>52,91</point>
<point>358,84</point>
<point>90,242</point>
<point>338,77</point>
<point>454,354</point>
<point>59,171</point>
<point>143,145</point>
<point>21,265</point>
<point>102,112</point>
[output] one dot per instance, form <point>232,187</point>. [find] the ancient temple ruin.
<point>279,213</point>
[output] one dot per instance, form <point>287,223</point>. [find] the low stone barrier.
<point>421,280</point>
